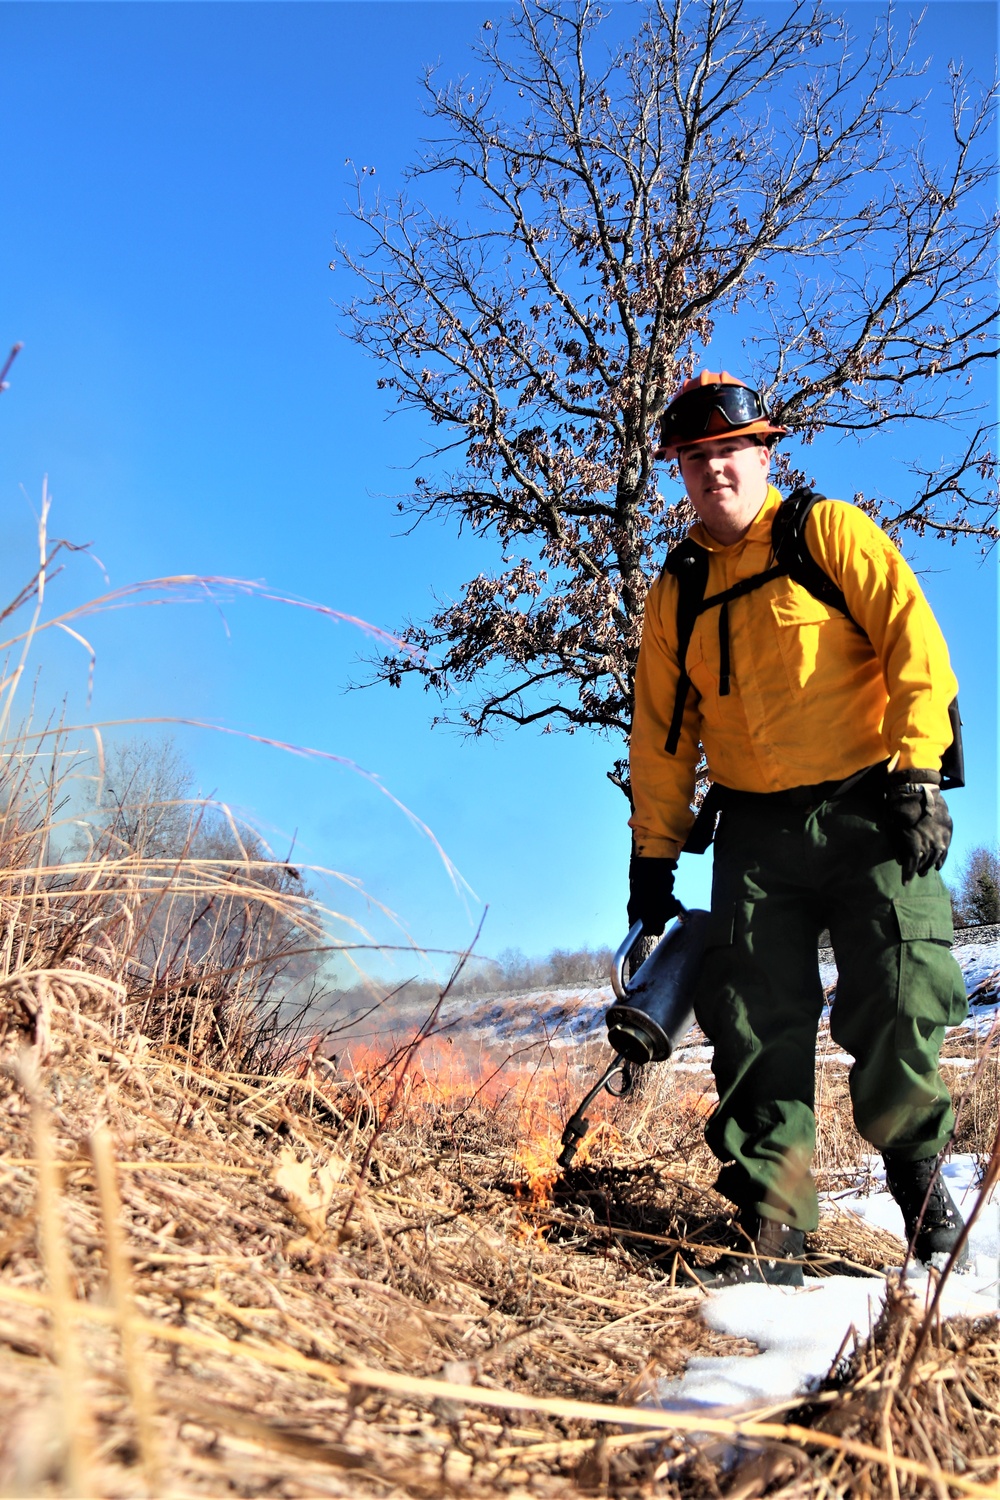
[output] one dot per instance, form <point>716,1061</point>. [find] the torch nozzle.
<point>577,1125</point>
<point>576,1128</point>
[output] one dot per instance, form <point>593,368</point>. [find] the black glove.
<point>920,824</point>
<point>651,898</point>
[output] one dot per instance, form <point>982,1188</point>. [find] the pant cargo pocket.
<point>931,989</point>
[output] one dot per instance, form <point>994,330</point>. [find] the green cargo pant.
<point>785,868</point>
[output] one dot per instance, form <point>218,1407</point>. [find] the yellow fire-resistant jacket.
<point>811,698</point>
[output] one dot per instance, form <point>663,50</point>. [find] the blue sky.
<point>174,182</point>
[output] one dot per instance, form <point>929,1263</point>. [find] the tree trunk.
<point>639,954</point>
<point>644,1078</point>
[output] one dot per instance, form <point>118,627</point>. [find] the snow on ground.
<point>961,1179</point>
<point>979,963</point>
<point>561,1017</point>
<point>801,1330</point>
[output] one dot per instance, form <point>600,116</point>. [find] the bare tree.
<point>219,935</point>
<point>612,208</point>
<point>976,897</point>
<point>146,797</point>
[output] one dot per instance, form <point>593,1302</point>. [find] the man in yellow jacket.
<point>824,733</point>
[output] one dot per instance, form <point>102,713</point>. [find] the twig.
<point>653,1421</point>
<point>990,1178</point>
<point>15,351</point>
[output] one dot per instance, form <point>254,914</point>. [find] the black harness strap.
<point>723,649</point>
<point>745,586</point>
<point>791,551</point>
<point>690,571</point>
<point>689,565</point>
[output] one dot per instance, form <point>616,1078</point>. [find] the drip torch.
<point>651,1014</point>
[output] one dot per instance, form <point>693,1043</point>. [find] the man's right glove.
<point>651,898</point>
<point>920,824</point>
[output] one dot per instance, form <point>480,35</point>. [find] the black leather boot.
<point>771,1252</point>
<point>914,1183</point>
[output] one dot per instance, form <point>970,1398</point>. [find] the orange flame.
<point>536,1159</point>
<point>530,1091</point>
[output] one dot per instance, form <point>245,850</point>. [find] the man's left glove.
<point>651,898</point>
<point>920,824</point>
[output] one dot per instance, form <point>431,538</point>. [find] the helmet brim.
<point>762,428</point>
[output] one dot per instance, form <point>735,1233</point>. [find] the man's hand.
<point>920,824</point>
<point>651,898</point>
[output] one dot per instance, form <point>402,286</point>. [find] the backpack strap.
<point>688,563</point>
<point>745,586</point>
<point>792,555</point>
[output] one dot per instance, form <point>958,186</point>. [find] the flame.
<point>461,1081</point>
<point>529,1233</point>
<point>445,1077</point>
<point>697,1102</point>
<point>536,1159</point>
<point>530,1092</point>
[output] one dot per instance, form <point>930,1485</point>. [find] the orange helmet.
<point>710,406</point>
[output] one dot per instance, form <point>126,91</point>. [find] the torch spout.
<point>577,1125</point>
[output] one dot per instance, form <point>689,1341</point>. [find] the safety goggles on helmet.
<point>690,415</point>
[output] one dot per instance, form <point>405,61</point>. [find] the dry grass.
<point>976,1092</point>
<point>202,1294</point>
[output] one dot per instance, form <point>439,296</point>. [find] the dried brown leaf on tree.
<point>792,177</point>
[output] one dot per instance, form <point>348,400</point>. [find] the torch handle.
<point>621,957</point>
<point>618,962</point>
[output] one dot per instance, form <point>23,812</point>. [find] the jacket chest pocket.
<point>806,628</point>
<point>696,665</point>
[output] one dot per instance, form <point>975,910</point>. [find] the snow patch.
<point>800,1330</point>
<point>961,1177</point>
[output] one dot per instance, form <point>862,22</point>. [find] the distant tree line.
<point>511,973</point>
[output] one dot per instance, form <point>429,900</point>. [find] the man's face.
<point>726,481</point>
